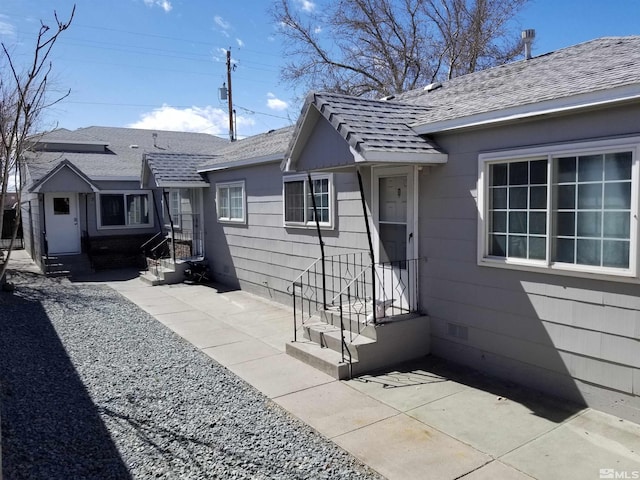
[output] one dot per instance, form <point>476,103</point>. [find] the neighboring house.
<point>503,204</point>
<point>83,192</point>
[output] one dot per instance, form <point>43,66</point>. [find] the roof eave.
<point>179,184</point>
<point>417,157</point>
<point>550,107</point>
<point>248,162</point>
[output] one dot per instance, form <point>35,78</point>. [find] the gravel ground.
<point>93,387</point>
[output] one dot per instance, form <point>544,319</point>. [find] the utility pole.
<point>232,135</point>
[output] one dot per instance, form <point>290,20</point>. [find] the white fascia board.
<point>404,157</point>
<point>243,163</point>
<point>182,185</point>
<point>563,105</point>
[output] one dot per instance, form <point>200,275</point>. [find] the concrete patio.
<point>423,420</point>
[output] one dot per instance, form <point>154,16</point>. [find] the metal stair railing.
<point>319,281</point>
<point>395,287</point>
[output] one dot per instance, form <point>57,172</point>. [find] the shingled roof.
<point>176,169</point>
<point>116,153</point>
<point>601,70</point>
<point>264,147</point>
<point>376,129</point>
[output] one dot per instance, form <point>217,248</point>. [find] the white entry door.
<point>63,230</point>
<point>396,252</point>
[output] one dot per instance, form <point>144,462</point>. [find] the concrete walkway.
<point>425,420</point>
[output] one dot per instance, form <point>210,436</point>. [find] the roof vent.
<point>432,86</point>
<point>388,97</point>
<point>133,146</point>
<point>527,38</point>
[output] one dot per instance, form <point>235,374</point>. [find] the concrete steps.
<point>164,272</point>
<point>367,347</point>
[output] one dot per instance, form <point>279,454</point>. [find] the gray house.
<point>82,205</point>
<point>495,213</point>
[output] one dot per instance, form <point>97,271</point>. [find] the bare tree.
<point>382,47</point>
<point>23,97</point>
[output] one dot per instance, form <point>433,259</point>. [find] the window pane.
<point>538,197</point>
<point>537,248</point>
<point>61,206</point>
<point>616,225</point>
<point>294,201</point>
<point>498,174</point>
<point>617,166</point>
<point>137,209</point>
<point>564,250</point>
<point>517,246</point>
<point>223,202</point>
<point>498,198</point>
<point>565,169</point>
<point>518,173</point>
<point>538,172</point>
<point>236,204</point>
<point>517,222</point>
<point>615,254</point>
<point>538,223</point>
<point>498,222</point>
<point>590,168</point>
<point>589,224</point>
<point>498,245</point>
<point>112,209</point>
<point>588,252</point>
<point>566,197</point>
<point>565,224</point>
<point>321,196</point>
<point>518,197</point>
<point>590,196</point>
<point>617,195</point>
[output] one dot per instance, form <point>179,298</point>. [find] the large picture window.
<point>124,210</point>
<point>230,202</point>
<point>298,200</point>
<point>572,208</point>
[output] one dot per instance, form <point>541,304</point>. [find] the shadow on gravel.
<point>50,427</point>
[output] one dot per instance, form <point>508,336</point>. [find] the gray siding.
<point>264,256</point>
<point>574,337</point>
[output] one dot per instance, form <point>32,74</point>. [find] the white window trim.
<point>123,193</point>
<point>304,178</point>
<point>229,220</point>
<point>631,144</point>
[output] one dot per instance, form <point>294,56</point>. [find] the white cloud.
<point>164,4</point>
<point>317,30</point>
<point>207,119</point>
<point>6,29</point>
<point>240,42</point>
<point>224,25</point>
<point>307,5</point>
<point>274,103</point>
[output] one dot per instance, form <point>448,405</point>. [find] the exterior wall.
<point>263,256</point>
<point>65,180</point>
<point>577,338</point>
<point>30,213</point>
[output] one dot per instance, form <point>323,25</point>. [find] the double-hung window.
<point>231,202</point>
<point>299,201</point>
<point>124,209</point>
<point>567,208</point>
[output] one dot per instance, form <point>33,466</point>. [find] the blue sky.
<point>158,64</point>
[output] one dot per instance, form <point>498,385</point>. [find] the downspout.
<point>315,214</point>
<point>371,255</point>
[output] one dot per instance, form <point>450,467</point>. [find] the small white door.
<point>394,215</point>
<point>62,226</point>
